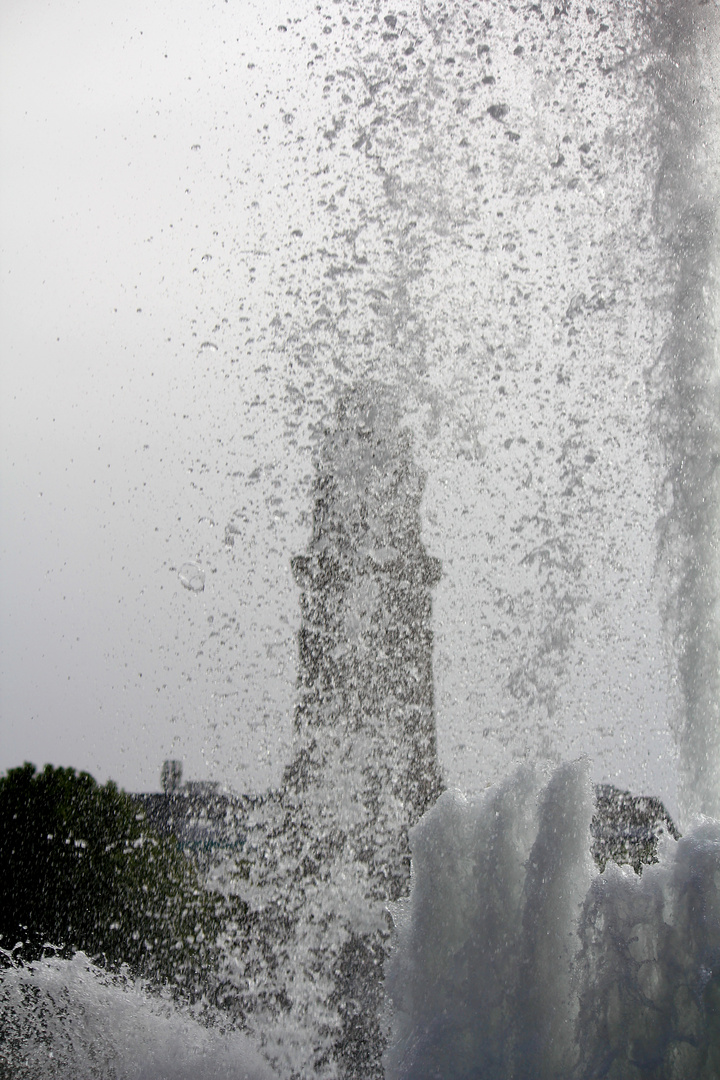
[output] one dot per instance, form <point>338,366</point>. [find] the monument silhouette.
<point>364,730</point>
<point>364,764</point>
<point>325,855</point>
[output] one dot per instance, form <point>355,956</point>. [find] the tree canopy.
<point>81,869</point>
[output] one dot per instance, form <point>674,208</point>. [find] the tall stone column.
<point>364,766</point>
<point>365,739</point>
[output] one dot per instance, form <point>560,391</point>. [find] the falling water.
<point>507,220</point>
<point>685,380</point>
<point>515,958</point>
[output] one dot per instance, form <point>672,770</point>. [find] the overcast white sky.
<point>114,188</point>
<point>154,164</point>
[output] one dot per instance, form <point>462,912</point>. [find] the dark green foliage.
<point>81,869</point>
<point>626,828</point>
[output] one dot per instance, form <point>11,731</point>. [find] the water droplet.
<point>209,345</point>
<point>192,577</point>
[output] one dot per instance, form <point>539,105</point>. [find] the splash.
<point>68,1018</point>
<point>192,577</point>
<point>515,959</point>
<point>685,383</point>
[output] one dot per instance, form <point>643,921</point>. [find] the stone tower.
<point>334,848</point>
<point>364,737</point>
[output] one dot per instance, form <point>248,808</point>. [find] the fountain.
<point>508,261</point>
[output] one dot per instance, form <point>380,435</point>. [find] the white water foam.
<point>515,959</point>
<point>70,1020</point>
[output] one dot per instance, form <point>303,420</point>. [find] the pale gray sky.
<point>214,216</point>
<point>114,188</point>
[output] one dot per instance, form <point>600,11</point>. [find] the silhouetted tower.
<point>365,741</point>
